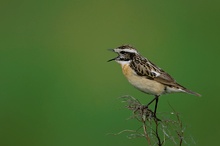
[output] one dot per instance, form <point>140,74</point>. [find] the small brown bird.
<point>146,76</point>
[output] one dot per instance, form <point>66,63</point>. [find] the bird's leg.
<point>156,97</point>
<point>155,108</point>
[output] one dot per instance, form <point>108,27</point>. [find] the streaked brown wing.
<point>144,67</point>
<point>166,79</point>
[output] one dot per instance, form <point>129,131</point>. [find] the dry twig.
<point>155,131</point>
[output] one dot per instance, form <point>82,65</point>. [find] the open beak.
<point>113,58</point>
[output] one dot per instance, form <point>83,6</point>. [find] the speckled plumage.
<point>146,73</point>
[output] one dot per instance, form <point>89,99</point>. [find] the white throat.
<point>123,62</point>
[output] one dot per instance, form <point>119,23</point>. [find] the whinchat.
<point>146,76</point>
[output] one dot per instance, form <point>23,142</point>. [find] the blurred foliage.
<point>56,88</point>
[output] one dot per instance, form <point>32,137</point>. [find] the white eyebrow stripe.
<point>126,50</point>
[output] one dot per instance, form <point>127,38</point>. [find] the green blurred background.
<point>56,88</point>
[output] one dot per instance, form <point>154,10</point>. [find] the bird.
<point>145,75</point>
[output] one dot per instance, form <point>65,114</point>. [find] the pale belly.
<point>142,83</point>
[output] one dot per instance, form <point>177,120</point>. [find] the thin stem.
<point>157,134</point>
<point>145,130</point>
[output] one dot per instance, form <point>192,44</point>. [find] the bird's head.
<point>125,54</point>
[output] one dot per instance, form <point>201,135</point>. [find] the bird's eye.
<point>122,52</point>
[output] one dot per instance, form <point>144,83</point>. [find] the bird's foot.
<point>156,119</point>
<point>144,110</point>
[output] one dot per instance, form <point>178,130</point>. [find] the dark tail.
<point>188,91</point>
<point>191,92</point>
